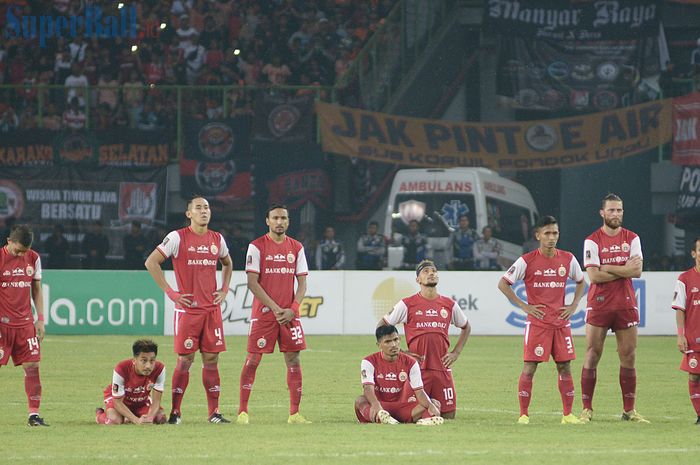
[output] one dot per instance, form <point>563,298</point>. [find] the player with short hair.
<point>195,251</point>
<point>686,302</point>
<point>548,330</point>
<point>387,377</point>
<point>612,256</point>
<point>20,336</point>
<point>136,390</point>
<point>426,317</point>
<point>273,262</point>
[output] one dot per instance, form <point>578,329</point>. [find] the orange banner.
<point>523,145</point>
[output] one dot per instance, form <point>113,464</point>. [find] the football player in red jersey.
<point>427,317</point>
<point>136,390</point>
<point>545,271</point>
<point>195,251</point>
<point>274,261</point>
<point>20,336</point>
<point>686,302</point>
<point>612,256</point>
<point>387,377</point>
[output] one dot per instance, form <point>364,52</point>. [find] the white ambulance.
<point>436,198</point>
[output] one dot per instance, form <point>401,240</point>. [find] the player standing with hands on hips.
<point>612,256</point>
<point>686,303</point>
<point>195,251</point>
<point>273,262</point>
<point>548,330</point>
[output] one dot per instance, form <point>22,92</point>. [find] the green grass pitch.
<point>75,369</point>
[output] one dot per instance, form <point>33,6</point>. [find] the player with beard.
<point>426,317</point>
<point>274,262</point>
<point>612,257</point>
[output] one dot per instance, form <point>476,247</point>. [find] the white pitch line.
<point>120,458</point>
<point>491,452</point>
<point>404,453</point>
<point>556,413</point>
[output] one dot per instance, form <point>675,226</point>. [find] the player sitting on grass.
<point>136,390</point>
<point>385,375</point>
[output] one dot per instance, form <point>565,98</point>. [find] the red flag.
<point>686,130</point>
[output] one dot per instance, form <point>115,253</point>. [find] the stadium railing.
<point>175,103</point>
<point>376,72</point>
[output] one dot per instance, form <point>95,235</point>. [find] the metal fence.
<point>132,105</point>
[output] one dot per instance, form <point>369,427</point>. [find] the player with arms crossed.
<point>548,330</point>
<point>136,390</point>
<point>612,256</point>
<point>195,251</point>
<point>273,262</point>
<point>686,302</point>
<point>387,376</point>
<point>20,336</point>
<point>426,317</point>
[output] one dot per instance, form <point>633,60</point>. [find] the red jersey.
<point>195,258</point>
<point>686,297</point>
<point>135,389</point>
<point>277,265</point>
<point>426,324</point>
<point>390,378</point>
<point>16,276</point>
<point>545,282</point>
<point>601,249</point>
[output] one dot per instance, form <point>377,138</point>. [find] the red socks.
<point>566,390</point>
<point>524,392</point>
<point>181,377</point>
<point>211,381</point>
<point>628,385</point>
<point>588,379</point>
<point>364,413</point>
<point>32,386</point>
<point>101,418</point>
<point>694,390</point>
<point>294,385</point>
<point>247,379</point>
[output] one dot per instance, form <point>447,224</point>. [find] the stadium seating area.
<point>216,42</point>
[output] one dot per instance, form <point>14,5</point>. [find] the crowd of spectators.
<point>93,247</point>
<point>183,42</point>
